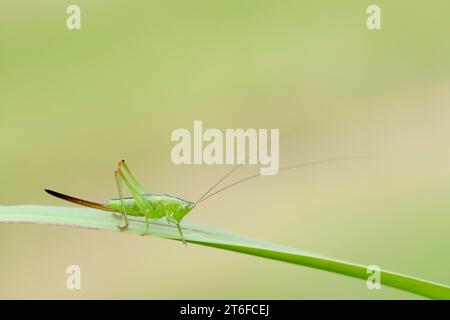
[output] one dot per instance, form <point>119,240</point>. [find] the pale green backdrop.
<point>73,103</point>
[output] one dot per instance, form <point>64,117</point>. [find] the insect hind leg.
<point>117,176</point>
<point>144,206</point>
<point>132,180</point>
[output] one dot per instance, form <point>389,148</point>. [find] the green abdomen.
<point>133,209</point>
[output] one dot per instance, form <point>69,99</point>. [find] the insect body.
<point>163,206</point>
<point>156,206</point>
<point>150,206</point>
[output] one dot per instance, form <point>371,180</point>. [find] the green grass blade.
<point>95,219</point>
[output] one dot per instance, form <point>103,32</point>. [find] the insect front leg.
<point>147,224</point>
<point>171,219</point>
<point>181,234</point>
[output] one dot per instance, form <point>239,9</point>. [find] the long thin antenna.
<point>218,182</point>
<point>306,164</point>
<point>225,176</point>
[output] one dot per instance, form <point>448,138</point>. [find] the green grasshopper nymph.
<point>156,206</point>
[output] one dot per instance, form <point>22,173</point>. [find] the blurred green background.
<point>73,103</point>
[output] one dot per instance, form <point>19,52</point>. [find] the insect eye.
<point>185,206</point>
